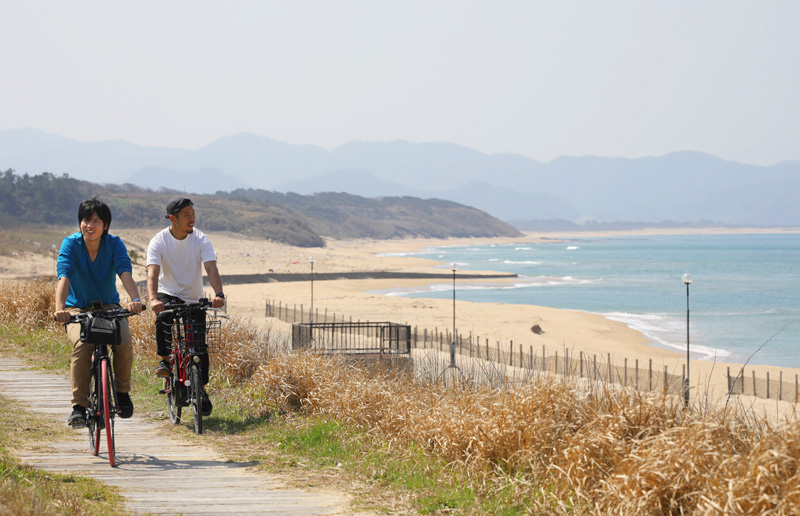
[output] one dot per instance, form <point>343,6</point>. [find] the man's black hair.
<point>95,205</point>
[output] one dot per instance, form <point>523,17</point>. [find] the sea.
<point>743,303</point>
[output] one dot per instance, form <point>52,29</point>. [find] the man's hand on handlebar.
<point>135,307</point>
<point>157,306</point>
<point>217,302</point>
<point>62,316</point>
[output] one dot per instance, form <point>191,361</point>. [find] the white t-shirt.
<point>181,263</point>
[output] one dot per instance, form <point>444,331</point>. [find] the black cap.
<point>177,204</point>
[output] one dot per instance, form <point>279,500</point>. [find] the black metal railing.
<point>353,337</point>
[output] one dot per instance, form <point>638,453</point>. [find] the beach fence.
<point>475,355</point>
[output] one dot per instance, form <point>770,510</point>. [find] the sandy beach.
<point>359,299</point>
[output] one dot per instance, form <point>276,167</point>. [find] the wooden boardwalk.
<point>157,473</point>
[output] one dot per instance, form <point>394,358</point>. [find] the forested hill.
<point>300,220</point>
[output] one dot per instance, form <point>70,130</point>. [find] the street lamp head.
<point>687,278</point>
<point>453,267</point>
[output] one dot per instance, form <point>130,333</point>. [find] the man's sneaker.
<point>125,405</point>
<point>207,406</point>
<point>77,419</point>
<point>162,370</point>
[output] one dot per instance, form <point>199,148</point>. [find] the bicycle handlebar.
<point>202,304</point>
<point>114,313</point>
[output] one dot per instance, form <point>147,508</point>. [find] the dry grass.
<point>556,445</point>
<point>28,303</point>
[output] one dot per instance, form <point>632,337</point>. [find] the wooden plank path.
<point>157,473</point>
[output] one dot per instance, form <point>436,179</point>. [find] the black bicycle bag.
<point>96,330</point>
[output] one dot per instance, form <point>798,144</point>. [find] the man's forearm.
<point>214,278</point>
<point>62,291</point>
<point>130,285</point>
<point>152,281</point>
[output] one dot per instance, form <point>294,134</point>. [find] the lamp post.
<point>687,280</point>
<point>453,344</point>
<point>311,315</point>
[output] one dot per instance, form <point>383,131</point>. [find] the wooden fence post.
<point>729,379</point>
<point>544,360</point>
<point>625,373</point>
<point>767,384</point>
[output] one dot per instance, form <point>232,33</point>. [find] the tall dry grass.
<point>558,445</point>
<point>28,303</point>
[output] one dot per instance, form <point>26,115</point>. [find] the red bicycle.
<point>193,335</point>
<point>100,328</point>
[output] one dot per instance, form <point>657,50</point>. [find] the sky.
<point>541,79</point>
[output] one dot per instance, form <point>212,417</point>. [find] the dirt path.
<point>156,473</point>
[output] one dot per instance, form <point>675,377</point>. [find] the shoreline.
<point>592,333</point>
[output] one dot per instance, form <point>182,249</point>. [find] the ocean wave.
<point>522,262</point>
<point>381,255</point>
<point>527,282</point>
<point>668,332</point>
<point>572,247</point>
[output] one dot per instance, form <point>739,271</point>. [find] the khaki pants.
<point>81,368</point>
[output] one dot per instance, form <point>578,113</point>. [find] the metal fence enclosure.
<point>353,337</point>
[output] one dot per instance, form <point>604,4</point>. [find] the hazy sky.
<point>543,79</point>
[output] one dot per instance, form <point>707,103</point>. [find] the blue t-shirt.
<point>92,280</point>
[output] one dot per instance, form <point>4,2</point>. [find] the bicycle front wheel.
<point>197,397</point>
<point>173,383</point>
<point>108,407</point>
<point>95,402</point>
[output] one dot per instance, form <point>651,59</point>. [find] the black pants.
<point>164,330</point>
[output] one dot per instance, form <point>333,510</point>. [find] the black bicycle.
<point>101,329</point>
<point>193,335</point>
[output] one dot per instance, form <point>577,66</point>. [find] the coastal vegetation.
<point>298,220</point>
<point>413,443</point>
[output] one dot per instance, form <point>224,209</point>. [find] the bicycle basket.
<point>96,330</point>
<point>203,336</point>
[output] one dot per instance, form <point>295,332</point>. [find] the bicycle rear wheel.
<point>174,393</point>
<point>108,407</point>
<point>95,401</point>
<point>197,396</point>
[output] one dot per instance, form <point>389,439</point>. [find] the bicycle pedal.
<point>162,391</point>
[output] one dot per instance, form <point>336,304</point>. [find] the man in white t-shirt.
<point>176,257</point>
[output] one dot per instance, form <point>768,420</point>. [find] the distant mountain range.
<point>681,186</point>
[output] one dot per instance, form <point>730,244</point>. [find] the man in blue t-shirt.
<point>88,265</point>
